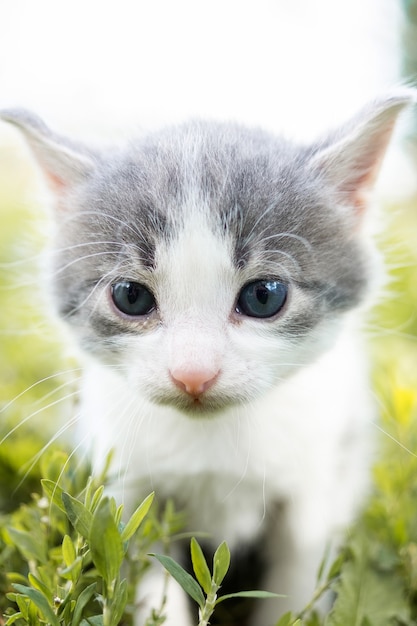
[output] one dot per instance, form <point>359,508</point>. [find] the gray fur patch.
<point>280,218</point>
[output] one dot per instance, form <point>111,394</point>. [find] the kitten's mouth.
<point>194,406</point>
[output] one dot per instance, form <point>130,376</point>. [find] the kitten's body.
<point>217,275</point>
<point>281,474</point>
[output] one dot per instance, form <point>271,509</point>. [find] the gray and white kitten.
<point>216,275</point>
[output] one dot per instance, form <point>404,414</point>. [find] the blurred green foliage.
<point>375,577</point>
<point>33,383</point>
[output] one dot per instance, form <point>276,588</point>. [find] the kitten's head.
<point>208,262</point>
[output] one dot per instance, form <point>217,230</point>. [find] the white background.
<point>102,69</point>
<point>117,63</point>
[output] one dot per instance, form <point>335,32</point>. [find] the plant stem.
<point>317,594</point>
<point>208,609</point>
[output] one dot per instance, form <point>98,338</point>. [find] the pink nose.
<point>193,382</point>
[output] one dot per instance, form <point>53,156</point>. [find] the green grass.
<point>54,566</point>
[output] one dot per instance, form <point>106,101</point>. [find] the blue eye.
<point>132,298</point>
<point>262,298</point>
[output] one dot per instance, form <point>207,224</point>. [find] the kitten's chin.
<point>198,408</point>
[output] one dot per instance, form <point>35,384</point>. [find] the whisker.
<point>290,257</point>
<point>263,516</point>
<point>380,331</point>
<point>35,413</point>
<point>103,215</point>
<point>19,284</point>
<point>91,294</point>
<point>29,465</point>
<point>245,469</point>
<point>37,330</point>
<point>83,258</point>
<point>130,440</point>
<point>57,390</point>
<point>67,461</point>
<point>83,244</point>
<point>394,439</point>
<point>31,260</point>
<point>36,384</point>
<point>302,240</point>
<point>272,207</point>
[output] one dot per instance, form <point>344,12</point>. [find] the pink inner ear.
<point>55,182</point>
<point>359,186</point>
<point>358,190</point>
<point>350,163</point>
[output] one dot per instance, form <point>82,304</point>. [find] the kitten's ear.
<point>63,163</point>
<point>350,159</point>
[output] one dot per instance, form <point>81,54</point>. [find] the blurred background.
<point>102,67</point>
<point>104,70</point>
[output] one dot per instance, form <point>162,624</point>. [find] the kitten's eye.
<point>262,298</point>
<point>132,298</point>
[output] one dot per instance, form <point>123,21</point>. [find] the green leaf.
<point>96,620</point>
<point>40,601</point>
<point>221,562</point>
<point>200,566</point>
<point>23,603</point>
<point>81,603</point>
<point>31,546</point>
<point>98,494</point>
<point>119,602</point>
<point>118,516</point>
<point>286,620</point>
<point>73,571</point>
<point>78,515</point>
<point>13,618</point>
<point>336,566</point>
<point>364,593</point>
<point>182,577</point>
<point>53,492</point>
<point>313,619</point>
<point>38,584</point>
<point>105,542</point>
<point>88,493</point>
<point>68,551</point>
<point>323,564</point>
<point>250,594</point>
<point>137,518</point>
<point>52,464</point>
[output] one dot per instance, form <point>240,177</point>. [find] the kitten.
<point>217,277</point>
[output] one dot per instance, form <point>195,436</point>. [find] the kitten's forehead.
<point>244,182</point>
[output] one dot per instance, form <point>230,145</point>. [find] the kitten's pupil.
<point>132,298</point>
<point>262,294</point>
<point>262,298</point>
